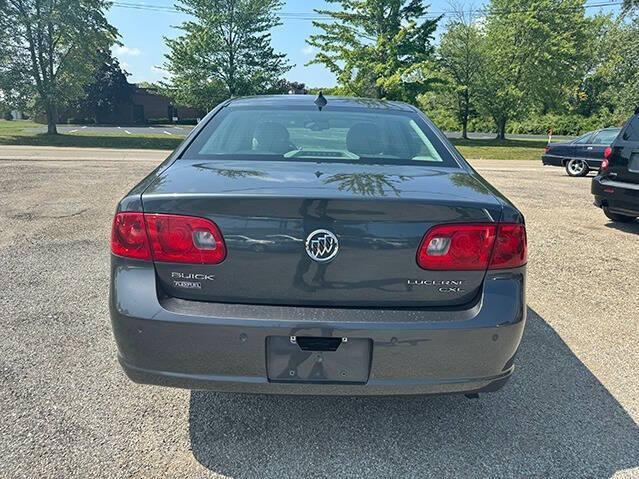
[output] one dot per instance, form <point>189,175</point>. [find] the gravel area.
<point>67,410</point>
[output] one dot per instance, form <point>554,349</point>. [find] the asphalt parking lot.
<point>170,130</point>
<point>183,130</point>
<point>67,410</point>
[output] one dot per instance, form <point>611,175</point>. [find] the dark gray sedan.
<point>336,246</point>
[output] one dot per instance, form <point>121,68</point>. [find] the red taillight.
<point>129,238</point>
<point>608,153</point>
<point>470,247</point>
<point>605,164</point>
<point>457,247</point>
<point>167,238</point>
<point>185,239</point>
<point>511,247</point>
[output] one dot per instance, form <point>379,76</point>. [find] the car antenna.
<point>320,101</point>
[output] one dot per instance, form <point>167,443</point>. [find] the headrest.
<point>272,137</point>
<point>365,139</point>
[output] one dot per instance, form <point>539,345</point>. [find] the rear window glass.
<point>583,139</point>
<point>606,137</point>
<point>631,133</point>
<point>337,135</point>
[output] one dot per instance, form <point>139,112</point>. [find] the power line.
<point>314,16</point>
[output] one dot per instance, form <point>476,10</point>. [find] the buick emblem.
<point>322,245</point>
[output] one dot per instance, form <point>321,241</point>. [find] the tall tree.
<point>14,87</point>
<point>225,50</point>
<point>630,5</point>
<point>380,48</point>
<point>590,97</point>
<point>461,57</point>
<point>284,86</point>
<point>534,56</point>
<point>108,88</point>
<point>54,44</point>
<point>618,68</point>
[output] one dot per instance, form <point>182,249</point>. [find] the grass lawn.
<point>501,150</point>
<point>22,133</point>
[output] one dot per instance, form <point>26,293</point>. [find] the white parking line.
<point>168,133</point>
<point>73,131</point>
<point>151,128</point>
<point>119,127</point>
<point>84,127</point>
<point>127,132</point>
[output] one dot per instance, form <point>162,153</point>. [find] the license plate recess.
<point>318,360</point>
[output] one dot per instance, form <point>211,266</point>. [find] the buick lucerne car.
<point>301,245</point>
<point>582,154</point>
<point>616,187</point>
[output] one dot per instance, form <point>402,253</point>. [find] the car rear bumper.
<point>552,160</point>
<point>223,347</point>
<point>619,197</point>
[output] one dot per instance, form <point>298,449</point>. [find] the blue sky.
<point>143,31</point>
<point>143,35</point>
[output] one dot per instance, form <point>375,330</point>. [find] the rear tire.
<point>576,167</point>
<point>617,217</point>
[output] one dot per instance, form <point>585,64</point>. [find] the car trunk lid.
<point>266,211</point>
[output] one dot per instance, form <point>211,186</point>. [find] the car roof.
<point>307,100</point>
<point>610,128</point>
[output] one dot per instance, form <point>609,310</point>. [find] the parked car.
<point>616,187</point>
<point>582,154</point>
<point>440,308</point>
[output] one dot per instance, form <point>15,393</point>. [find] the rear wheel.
<point>618,217</point>
<point>576,167</point>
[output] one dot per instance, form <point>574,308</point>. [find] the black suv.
<point>616,187</point>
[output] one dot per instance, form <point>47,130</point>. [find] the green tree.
<point>284,87</point>
<point>630,5</point>
<point>589,98</point>
<point>534,57</point>
<point>225,50</point>
<point>461,57</point>
<point>441,105</point>
<point>379,48</point>
<point>15,90</point>
<point>108,88</point>
<point>617,74</point>
<point>53,46</point>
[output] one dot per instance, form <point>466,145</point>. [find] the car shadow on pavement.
<point>554,419</point>
<point>632,227</point>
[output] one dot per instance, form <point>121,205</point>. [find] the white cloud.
<point>122,50</point>
<point>309,50</point>
<point>158,73</point>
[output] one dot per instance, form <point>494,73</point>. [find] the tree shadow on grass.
<point>147,142</point>
<point>500,143</point>
<point>554,419</point>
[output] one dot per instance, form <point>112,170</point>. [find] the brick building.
<point>145,105</point>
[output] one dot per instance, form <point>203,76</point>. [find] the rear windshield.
<point>337,135</point>
<point>631,133</point>
<point>605,137</point>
